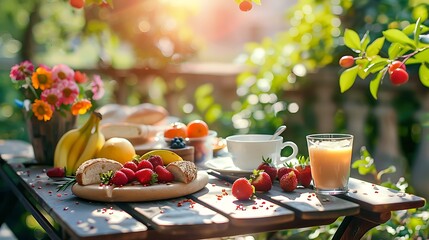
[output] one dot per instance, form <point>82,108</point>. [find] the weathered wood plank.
<point>377,198</point>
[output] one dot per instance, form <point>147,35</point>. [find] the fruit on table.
<point>131,165</point>
<point>261,181</point>
<point>56,172</point>
<point>144,164</point>
<point>286,169</point>
<point>118,149</point>
<point>167,156</point>
<point>176,129</point>
<point>164,176</point>
<point>146,176</point>
<point>196,129</point>
<point>79,145</point>
<point>242,189</point>
<point>119,178</point>
<point>289,182</point>
<point>269,168</point>
<point>131,175</point>
<point>304,175</point>
<point>177,143</point>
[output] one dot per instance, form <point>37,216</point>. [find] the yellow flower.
<point>81,107</point>
<point>42,110</point>
<point>41,78</point>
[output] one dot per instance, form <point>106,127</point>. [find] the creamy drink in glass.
<point>330,157</point>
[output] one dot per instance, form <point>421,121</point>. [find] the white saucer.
<point>225,166</point>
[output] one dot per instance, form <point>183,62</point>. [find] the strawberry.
<point>242,189</point>
<point>155,160</point>
<point>268,167</point>
<point>56,172</point>
<point>131,175</point>
<point>119,178</point>
<point>304,175</point>
<point>144,164</point>
<point>289,182</point>
<point>286,169</point>
<point>304,170</point>
<point>146,176</point>
<point>131,165</point>
<point>261,181</point>
<point>164,175</point>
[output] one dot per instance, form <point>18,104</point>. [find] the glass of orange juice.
<point>330,157</point>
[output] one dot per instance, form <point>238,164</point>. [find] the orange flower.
<point>41,78</point>
<point>42,110</point>
<point>81,107</point>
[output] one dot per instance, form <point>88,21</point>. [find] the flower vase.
<point>44,136</point>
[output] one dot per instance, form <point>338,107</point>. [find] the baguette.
<point>89,172</point>
<point>183,171</point>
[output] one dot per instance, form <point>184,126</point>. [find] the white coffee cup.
<point>247,150</point>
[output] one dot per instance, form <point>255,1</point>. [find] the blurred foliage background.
<point>153,34</point>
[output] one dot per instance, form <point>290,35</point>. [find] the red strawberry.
<point>242,189</point>
<point>164,175</point>
<point>56,172</point>
<point>286,169</point>
<point>155,160</point>
<point>261,181</point>
<point>119,178</point>
<point>289,182</point>
<point>145,164</point>
<point>146,176</point>
<point>131,175</point>
<point>304,175</point>
<point>131,165</point>
<point>268,167</point>
<point>304,170</point>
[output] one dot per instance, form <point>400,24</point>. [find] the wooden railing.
<point>391,127</point>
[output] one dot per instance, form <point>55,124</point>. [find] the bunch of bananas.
<point>79,145</point>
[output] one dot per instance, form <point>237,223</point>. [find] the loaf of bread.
<point>147,114</point>
<point>183,171</point>
<point>135,133</point>
<point>89,172</point>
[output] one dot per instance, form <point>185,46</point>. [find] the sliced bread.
<point>183,171</point>
<point>89,172</point>
<point>135,133</point>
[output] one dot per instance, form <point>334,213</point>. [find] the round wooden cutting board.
<point>139,193</point>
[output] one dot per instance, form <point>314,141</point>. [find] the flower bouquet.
<point>53,97</point>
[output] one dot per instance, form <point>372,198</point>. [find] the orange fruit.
<point>245,6</point>
<point>176,129</point>
<point>197,128</point>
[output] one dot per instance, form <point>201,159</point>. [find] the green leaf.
<point>365,41</point>
<point>377,65</point>
<point>257,2</point>
<point>375,47</point>
<point>348,78</point>
<point>417,31</point>
<point>397,36</point>
<point>375,83</point>
<point>363,64</point>
<point>396,50</point>
<point>424,74</point>
<point>423,55</point>
<point>351,40</point>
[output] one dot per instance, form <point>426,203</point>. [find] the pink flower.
<point>97,87</point>
<point>62,72</point>
<point>53,96</point>
<point>69,90</point>
<point>21,71</point>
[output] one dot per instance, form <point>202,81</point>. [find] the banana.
<point>166,155</point>
<point>94,144</point>
<point>65,143</point>
<point>78,146</point>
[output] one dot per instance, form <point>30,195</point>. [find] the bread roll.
<point>89,172</point>
<point>183,171</point>
<point>147,114</point>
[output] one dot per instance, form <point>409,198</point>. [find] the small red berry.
<point>131,165</point>
<point>395,65</point>
<point>242,189</point>
<point>245,6</point>
<point>77,3</point>
<point>119,178</point>
<point>145,164</point>
<point>347,61</point>
<point>399,76</point>
<point>289,182</point>
<point>131,175</point>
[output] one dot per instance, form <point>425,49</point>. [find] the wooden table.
<point>210,212</point>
